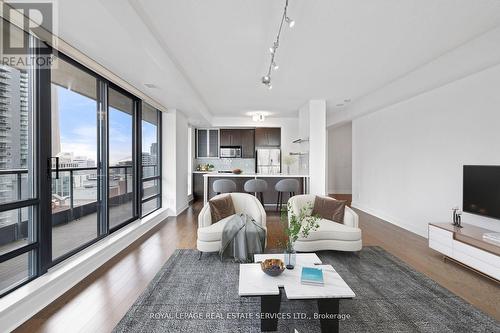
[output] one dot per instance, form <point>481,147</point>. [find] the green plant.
<point>289,160</point>
<point>297,224</point>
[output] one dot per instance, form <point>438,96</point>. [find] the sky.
<point>78,128</point>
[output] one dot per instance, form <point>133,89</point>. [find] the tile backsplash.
<point>247,165</point>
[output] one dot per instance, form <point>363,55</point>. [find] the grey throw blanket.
<point>241,238</point>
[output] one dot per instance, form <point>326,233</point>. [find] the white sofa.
<point>210,235</point>
<point>330,235</point>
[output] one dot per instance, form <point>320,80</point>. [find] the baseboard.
<point>421,231</point>
<point>339,191</point>
<point>182,209</point>
<point>23,303</point>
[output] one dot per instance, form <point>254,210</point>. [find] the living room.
<point>250,166</point>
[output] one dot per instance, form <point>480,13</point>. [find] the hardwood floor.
<point>100,300</point>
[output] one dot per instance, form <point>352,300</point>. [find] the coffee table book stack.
<point>253,282</point>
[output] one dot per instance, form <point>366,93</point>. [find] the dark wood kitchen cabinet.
<point>244,138</point>
<point>198,186</point>
<point>248,143</point>
<point>230,137</point>
<point>268,137</point>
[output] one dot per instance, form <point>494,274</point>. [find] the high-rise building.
<point>14,133</point>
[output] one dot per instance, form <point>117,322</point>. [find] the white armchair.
<point>330,235</point>
<point>210,235</point>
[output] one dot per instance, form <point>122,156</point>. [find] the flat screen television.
<point>482,190</point>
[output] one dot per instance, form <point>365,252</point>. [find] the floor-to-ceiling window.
<point>70,160</point>
<point>74,202</point>
<point>151,161</point>
<point>18,174</point>
<point>121,115</point>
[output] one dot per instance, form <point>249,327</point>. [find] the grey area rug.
<point>390,297</point>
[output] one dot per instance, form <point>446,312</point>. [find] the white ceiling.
<point>207,57</point>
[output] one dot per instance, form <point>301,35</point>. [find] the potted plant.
<point>295,225</point>
<point>289,161</point>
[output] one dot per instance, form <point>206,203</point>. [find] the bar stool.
<point>258,186</point>
<point>224,186</point>
<point>291,186</point>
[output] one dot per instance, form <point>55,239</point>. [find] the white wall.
<point>182,162</point>
<point>317,147</point>
<point>340,159</point>
<point>175,161</point>
<point>289,131</point>
<point>408,158</point>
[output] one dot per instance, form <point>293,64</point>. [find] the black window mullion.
<point>18,204</point>
<point>19,251</point>
<point>150,198</point>
<point>42,92</point>
<point>102,155</point>
<point>150,178</point>
<point>138,157</point>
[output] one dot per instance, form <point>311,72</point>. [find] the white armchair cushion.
<point>333,230</point>
<point>210,235</point>
<point>213,232</point>
<point>329,235</point>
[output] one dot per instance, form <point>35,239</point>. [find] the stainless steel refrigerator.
<point>268,161</point>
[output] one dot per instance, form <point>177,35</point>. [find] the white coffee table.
<point>254,282</point>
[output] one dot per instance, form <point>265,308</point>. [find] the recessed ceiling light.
<point>150,85</point>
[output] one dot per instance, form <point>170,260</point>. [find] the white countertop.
<point>254,175</point>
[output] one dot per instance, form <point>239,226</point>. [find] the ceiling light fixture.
<point>260,117</point>
<point>266,79</point>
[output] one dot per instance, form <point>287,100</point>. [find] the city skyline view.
<point>78,128</point>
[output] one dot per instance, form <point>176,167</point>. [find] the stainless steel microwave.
<point>230,152</point>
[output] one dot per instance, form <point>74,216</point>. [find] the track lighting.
<point>266,79</point>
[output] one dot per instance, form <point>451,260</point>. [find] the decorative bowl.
<point>273,267</point>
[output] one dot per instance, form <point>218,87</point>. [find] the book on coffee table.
<point>312,276</point>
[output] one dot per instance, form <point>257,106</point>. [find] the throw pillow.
<point>221,208</point>
<point>329,209</point>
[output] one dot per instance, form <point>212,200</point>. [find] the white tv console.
<point>467,246</point>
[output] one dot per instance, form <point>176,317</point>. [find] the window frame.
<point>158,177</point>
<point>35,202</point>
<point>41,248</point>
<point>49,261</point>
<point>135,162</point>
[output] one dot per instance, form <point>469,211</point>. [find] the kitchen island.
<point>270,196</point>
